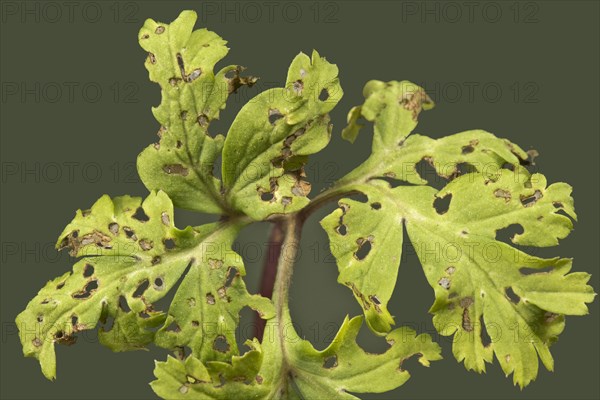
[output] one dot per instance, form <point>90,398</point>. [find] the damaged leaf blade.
<point>267,144</point>
<point>181,61</point>
<point>131,256</point>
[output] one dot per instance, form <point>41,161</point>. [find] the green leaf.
<point>130,331</point>
<point>306,374</point>
<point>343,366</point>
<point>132,255</point>
<point>191,378</point>
<point>267,144</point>
<point>205,311</point>
<point>485,293</point>
<point>181,61</point>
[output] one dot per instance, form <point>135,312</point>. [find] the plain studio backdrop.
<point>76,105</point>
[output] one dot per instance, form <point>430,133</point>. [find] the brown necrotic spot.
<point>139,292</point>
<point>503,194</point>
<point>152,58</point>
<point>159,29</point>
<point>175,169</point>
<point>40,318</point>
<point>195,324</point>
<point>298,86</point>
<point>444,282</point>
<point>87,291</point>
<point>146,244</point>
<point>220,344</point>
<point>113,227</point>
<point>202,120</point>
<point>164,217</point>
<point>466,321</point>
<point>36,342</point>
<point>210,299</point>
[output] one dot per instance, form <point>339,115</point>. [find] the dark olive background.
<point>550,53</point>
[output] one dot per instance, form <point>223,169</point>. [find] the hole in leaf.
<point>512,296</point>
<point>87,291</point>
<point>364,248</point>
<point>274,116</point>
<point>141,215</point>
<point>330,362</point>
<point>123,304</point>
<point>88,270</point>
<point>74,320</point>
<point>376,206</point>
<point>173,327</point>
<point>342,230</point>
<point>155,260</point>
<point>375,300</point>
<point>129,233</point>
<point>486,340</point>
<point>528,201</point>
<point>195,324</point>
<point>220,344</point>
<point>508,166</point>
<point>60,285</point>
<point>267,196</point>
<point>159,283</point>
<point>442,204</point>
<point>231,274</point>
<point>169,244</point>
<point>463,169</point>
<point>40,318</point>
<point>324,95</point>
<point>508,234</point>
<point>426,170</point>
<point>142,287</point>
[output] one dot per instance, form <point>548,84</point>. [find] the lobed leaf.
<point>181,61</point>
<point>306,373</point>
<point>131,256</point>
<point>269,141</point>
<point>486,295</point>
